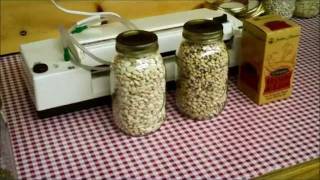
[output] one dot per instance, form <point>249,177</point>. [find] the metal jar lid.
<point>202,30</point>
<point>136,41</point>
<point>232,7</point>
<point>255,8</point>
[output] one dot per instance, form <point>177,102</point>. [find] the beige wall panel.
<point>40,19</point>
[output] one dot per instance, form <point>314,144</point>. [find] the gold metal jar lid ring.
<point>202,30</point>
<point>136,41</point>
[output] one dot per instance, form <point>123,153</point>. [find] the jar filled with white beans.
<point>203,70</point>
<point>307,8</point>
<point>138,101</point>
<point>280,7</point>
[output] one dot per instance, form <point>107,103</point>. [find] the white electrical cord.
<point>94,17</point>
<point>104,17</point>
<point>65,36</point>
<point>80,12</point>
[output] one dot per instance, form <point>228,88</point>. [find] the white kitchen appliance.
<point>54,83</point>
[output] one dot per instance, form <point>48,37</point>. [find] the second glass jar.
<point>138,101</point>
<point>203,70</point>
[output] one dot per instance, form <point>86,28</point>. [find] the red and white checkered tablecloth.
<point>245,141</point>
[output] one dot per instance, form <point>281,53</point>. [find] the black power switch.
<point>40,68</point>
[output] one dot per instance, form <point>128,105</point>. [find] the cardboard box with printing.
<point>269,49</point>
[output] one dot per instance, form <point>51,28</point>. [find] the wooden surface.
<point>25,21</point>
<point>305,171</point>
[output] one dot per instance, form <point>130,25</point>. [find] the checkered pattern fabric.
<point>245,141</point>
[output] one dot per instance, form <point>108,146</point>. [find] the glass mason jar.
<point>307,8</point>
<point>203,70</point>
<point>281,7</point>
<point>138,71</point>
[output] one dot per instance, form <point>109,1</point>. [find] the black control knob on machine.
<point>221,19</point>
<point>40,68</point>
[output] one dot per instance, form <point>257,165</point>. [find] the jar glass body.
<point>138,101</point>
<point>203,77</point>
<point>281,7</point>
<point>307,8</point>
